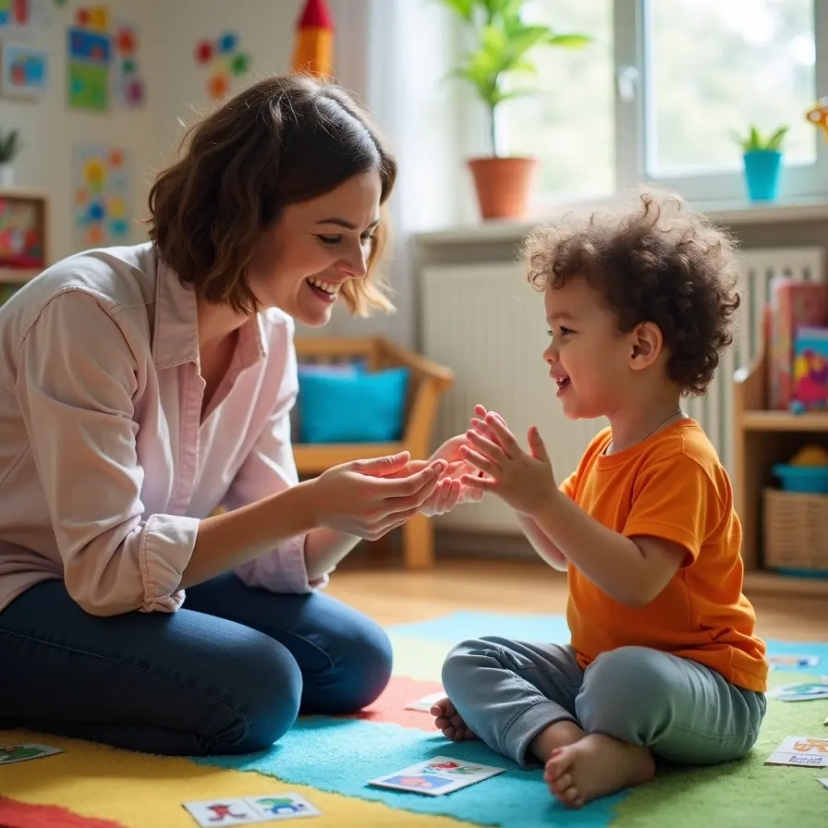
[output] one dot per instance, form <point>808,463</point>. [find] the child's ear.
<point>647,343</point>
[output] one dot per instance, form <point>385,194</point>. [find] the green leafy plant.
<point>754,141</point>
<point>501,46</point>
<point>9,146</point>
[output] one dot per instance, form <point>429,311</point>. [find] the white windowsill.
<point>731,214</point>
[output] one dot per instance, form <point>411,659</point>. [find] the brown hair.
<point>283,140</point>
<point>658,263</point>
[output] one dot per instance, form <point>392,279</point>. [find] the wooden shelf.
<point>763,438</point>
<point>18,275</point>
<point>784,421</point>
<point>762,582</point>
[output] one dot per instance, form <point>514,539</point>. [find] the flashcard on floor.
<point>283,806</point>
<point>426,702</point>
<point>20,753</point>
<point>437,776</point>
<point>251,810</point>
<point>800,692</point>
<point>823,782</point>
<point>794,661</point>
<point>805,751</point>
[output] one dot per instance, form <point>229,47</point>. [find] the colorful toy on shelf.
<point>806,472</point>
<point>818,116</point>
<point>810,370</point>
<point>810,456</point>
<point>794,304</point>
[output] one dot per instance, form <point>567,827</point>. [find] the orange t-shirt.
<point>669,486</point>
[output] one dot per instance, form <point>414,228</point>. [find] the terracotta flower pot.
<point>504,186</point>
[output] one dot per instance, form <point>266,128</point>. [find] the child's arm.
<point>633,571</point>
<point>541,543</point>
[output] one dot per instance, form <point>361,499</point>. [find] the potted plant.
<point>9,147</point>
<point>500,46</point>
<point>763,162</point>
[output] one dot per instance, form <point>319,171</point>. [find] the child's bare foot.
<point>596,766</point>
<point>557,735</point>
<point>450,721</point>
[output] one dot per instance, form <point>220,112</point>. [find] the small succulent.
<point>9,145</point>
<point>755,141</point>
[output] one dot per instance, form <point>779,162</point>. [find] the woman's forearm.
<point>231,539</point>
<point>324,549</point>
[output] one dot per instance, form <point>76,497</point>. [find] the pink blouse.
<point>106,464</point>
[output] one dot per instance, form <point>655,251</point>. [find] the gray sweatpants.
<point>509,691</point>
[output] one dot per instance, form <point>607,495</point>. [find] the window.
<point>663,88</point>
<point>569,124</point>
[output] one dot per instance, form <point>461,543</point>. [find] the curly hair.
<point>659,263</point>
<point>285,139</point>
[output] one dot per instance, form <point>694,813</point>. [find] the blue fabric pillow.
<point>352,407</point>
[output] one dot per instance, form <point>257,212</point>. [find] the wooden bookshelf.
<point>761,439</point>
<point>38,202</point>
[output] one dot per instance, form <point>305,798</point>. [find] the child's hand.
<point>525,481</point>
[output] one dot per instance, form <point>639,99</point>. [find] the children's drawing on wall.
<point>23,71</point>
<point>127,83</point>
<point>224,60</point>
<point>100,183</point>
<point>90,55</point>
<point>15,16</point>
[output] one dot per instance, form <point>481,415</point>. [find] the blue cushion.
<point>353,406</point>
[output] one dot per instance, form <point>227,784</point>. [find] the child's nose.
<point>550,355</point>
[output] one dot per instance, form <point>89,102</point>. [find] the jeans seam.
<point>77,651</point>
<point>324,653</point>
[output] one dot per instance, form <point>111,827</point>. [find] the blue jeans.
<point>228,673</point>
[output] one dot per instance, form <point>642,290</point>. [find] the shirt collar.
<point>175,339</point>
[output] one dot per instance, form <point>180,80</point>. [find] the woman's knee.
<point>266,695</point>
<point>360,660</point>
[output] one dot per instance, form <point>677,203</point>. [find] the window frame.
<point>799,182</point>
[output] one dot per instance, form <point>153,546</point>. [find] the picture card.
<point>793,661</point>
<point>9,754</point>
<point>823,782</point>
<point>804,751</point>
<point>437,776</point>
<point>426,702</point>
<point>251,810</point>
<point>800,692</point>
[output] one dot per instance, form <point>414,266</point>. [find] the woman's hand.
<point>369,498</point>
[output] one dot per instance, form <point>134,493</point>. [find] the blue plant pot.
<point>762,172</point>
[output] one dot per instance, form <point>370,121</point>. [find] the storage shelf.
<point>763,582</point>
<point>784,421</point>
<point>17,275</point>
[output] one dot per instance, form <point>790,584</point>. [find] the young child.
<point>664,660</point>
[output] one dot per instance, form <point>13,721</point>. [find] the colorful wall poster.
<point>24,72</point>
<point>90,55</point>
<point>225,60</point>
<point>128,86</point>
<point>100,183</point>
<point>14,15</point>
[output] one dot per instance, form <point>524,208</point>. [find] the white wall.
<point>49,128</point>
<point>266,31</point>
<point>175,86</point>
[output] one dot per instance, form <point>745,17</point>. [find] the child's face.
<point>588,357</point>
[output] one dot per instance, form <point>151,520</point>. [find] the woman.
<point>142,387</point>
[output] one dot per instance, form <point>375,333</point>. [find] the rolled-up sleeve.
<point>76,381</point>
<point>267,470</point>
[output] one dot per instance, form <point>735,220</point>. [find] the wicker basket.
<point>796,530</point>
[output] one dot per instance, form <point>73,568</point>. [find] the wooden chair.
<point>428,381</point>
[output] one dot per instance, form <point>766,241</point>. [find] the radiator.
<point>488,324</point>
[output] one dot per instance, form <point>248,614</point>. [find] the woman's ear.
<point>647,345</point>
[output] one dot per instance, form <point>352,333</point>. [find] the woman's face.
<point>302,262</point>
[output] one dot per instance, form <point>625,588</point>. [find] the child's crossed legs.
<point>595,730</point>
